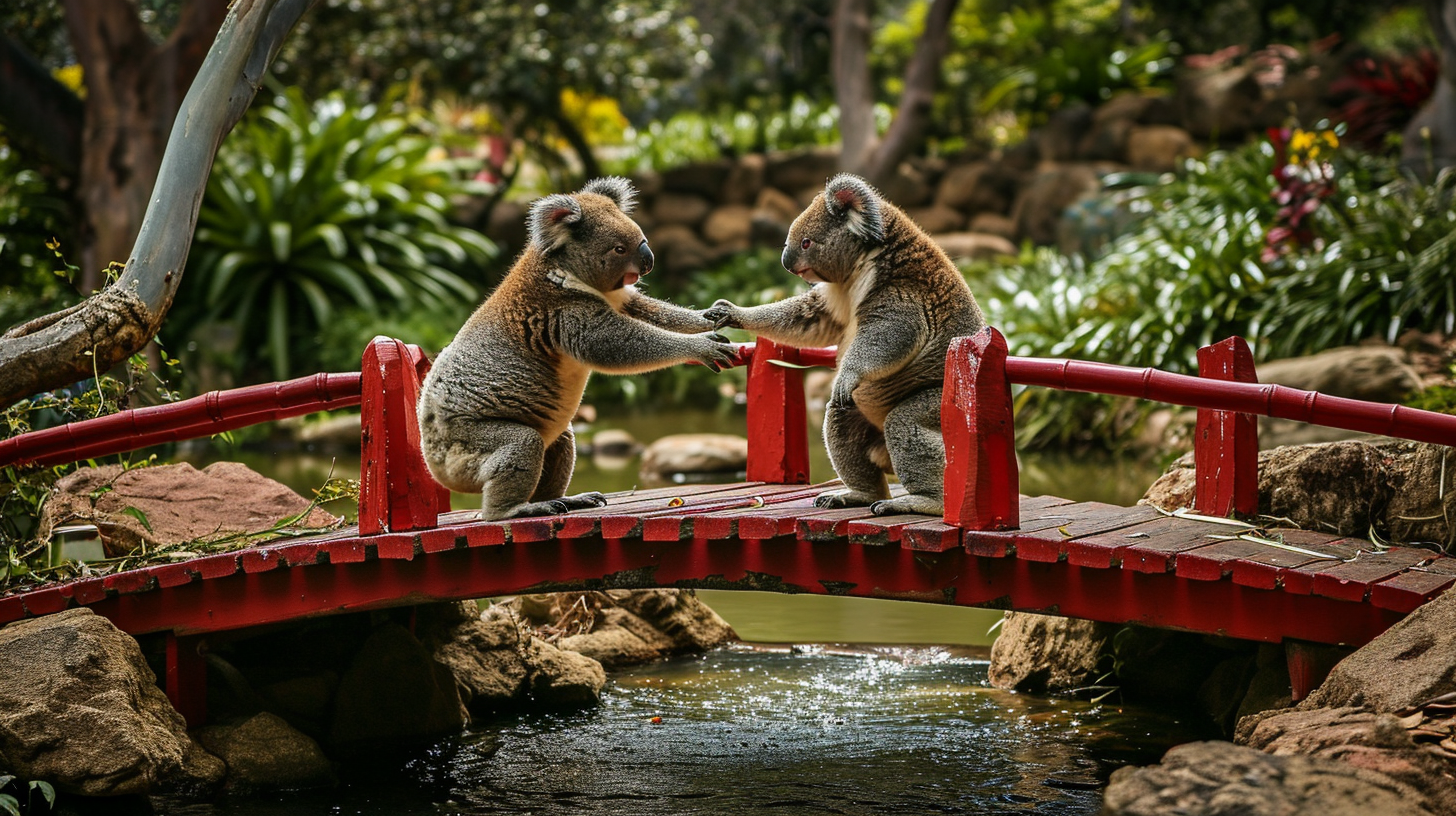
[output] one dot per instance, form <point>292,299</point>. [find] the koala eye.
<point>806,243</point>
<point>619,249</point>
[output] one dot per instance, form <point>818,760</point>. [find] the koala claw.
<point>722,314</point>
<point>842,498</point>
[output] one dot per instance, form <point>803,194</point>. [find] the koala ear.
<point>550,221</point>
<point>852,199</point>
<point>616,188</point>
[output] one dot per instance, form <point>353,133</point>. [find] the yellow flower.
<point>1330,138</point>
<point>1301,140</point>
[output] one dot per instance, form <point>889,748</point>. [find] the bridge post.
<point>396,491</point>
<point>778,424</point>
<point>982,486</point>
<point>1226,443</point>
<point>185,678</point>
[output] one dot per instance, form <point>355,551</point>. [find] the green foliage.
<point>18,797</point>
<point>31,214</point>
<point>310,208</point>
<point>1189,273</point>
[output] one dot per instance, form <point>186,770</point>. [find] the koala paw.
<point>911,503</point>
<point>723,315</point>
<point>719,353</point>
<point>843,498</point>
<point>841,394</point>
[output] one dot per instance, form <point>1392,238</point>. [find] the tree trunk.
<point>51,114</point>
<point>133,90</point>
<point>912,117</point>
<point>62,348</point>
<point>1429,142</point>
<point>853,86</point>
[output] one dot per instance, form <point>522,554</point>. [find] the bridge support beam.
<point>396,491</point>
<point>1226,443</point>
<point>185,679</point>
<point>778,435</point>
<point>1309,665</point>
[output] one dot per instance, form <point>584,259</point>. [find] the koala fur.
<point>496,408</point>
<point>891,300</point>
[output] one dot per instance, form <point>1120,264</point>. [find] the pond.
<point>840,705</point>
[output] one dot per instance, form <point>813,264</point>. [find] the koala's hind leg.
<point>510,473</point>
<point>851,441</point>
<point>917,449</point>
<point>560,461</point>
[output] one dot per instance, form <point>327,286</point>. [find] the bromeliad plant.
<point>314,207</point>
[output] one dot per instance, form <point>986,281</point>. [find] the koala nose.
<point>645,254</point>
<point>787,259</point>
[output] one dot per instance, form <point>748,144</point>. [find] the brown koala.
<point>892,301</point>
<point>495,410</point>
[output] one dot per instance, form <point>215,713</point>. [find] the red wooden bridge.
<point>993,547</point>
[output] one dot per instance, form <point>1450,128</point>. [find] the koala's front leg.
<point>803,320</point>
<point>616,344</point>
<point>666,315</point>
<point>887,339</point>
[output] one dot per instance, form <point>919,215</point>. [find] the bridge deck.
<point>1084,559</point>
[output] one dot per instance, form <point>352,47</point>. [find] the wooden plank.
<point>680,522</point>
<point>396,546</point>
<point>621,519</point>
<point>12,608</point>
<point>443,539</point>
<point>46,600</point>
<point>1352,580</point>
<point>773,519</point>
<point>1159,551</point>
<point>261,559</point>
<point>1085,519</point>
<point>990,544</point>
<point>85,591</point>
<point>346,552</point>
<point>879,530</point>
<point>833,525</point>
<point>1112,548</point>
<point>1267,570</point>
<point>174,575</point>
<point>1217,560</point>
<point>933,536</point>
<point>1413,587</point>
<point>531,528</point>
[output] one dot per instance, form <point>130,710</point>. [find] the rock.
<point>1406,665</point>
<point>80,708</point>
<point>802,169</point>
<point>907,187</point>
<point>729,225</point>
<point>1219,104</point>
<point>1106,140</point>
<point>1374,373</point>
<point>688,623</point>
<point>679,209</point>
<point>486,657</point>
<point>1223,779</point>
<point>614,442</point>
<point>694,453</point>
<point>331,430</point>
<point>989,223</point>
<point>265,753</point>
<point>937,219</point>
<point>745,179</point>
<point>983,186</point>
<point>506,225</point>
<point>1041,653</point>
<point>970,246</point>
<point>1365,740</point>
<point>702,180</point>
<point>1057,140</point>
<point>619,638</point>
<point>1039,207</point>
<point>679,248</point>
<point>394,691</point>
<point>562,679</point>
<point>1159,148</point>
<point>1268,689</point>
<point>776,205</point>
<point>180,503</point>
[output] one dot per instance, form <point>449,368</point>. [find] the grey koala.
<point>495,410</point>
<point>892,301</point>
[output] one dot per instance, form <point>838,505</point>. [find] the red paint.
<point>185,678</point>
<point>1226,443</point>
<point>396,491</point>
<point>981,481</point>
<point>778,440</point>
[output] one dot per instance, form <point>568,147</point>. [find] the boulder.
<point>679,248</point>
<point>80,708</point>
<point>561,678</point>
<point>777,206</point>
<point>971,246</point>
<point>694,454</point>
<point>1407,665</point>
<point>394,691</point>
<point>745,179</point>
<point>937,219</point>
<point>982,186</point>
<point>1041,653</point>
<point>264,752</point>
<point>1058,139</point>
<point>1159,148</point>
<point>1365,740</point>
<point>179,502</point>
<point>989,223</point>
<point>618,638</point>
<point>1219,104</point>
<point>729,225</point>
<point>1041,203</point>
<point>687,622</point>
<point>679,209</point>
<point>1222,779</point>
<point>1374,373</point>
<point>909,186</point>
<point>699,179</point>
<point>804,169</point>
<point>614,442</point>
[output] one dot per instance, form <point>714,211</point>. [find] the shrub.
<point>313,207</point>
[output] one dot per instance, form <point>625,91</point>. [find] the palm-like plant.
<point>313,207</point>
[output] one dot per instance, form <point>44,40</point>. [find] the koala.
<point>495,410</point>
<point>892,301</point>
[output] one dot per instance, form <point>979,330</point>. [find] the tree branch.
<point>853,86</point>
<point>912,117</point>
<point>119,320</point>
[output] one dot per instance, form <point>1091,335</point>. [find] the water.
<point>907,728</point>
<point>742,731</point>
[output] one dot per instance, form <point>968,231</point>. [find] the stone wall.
<point>977,205</point>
